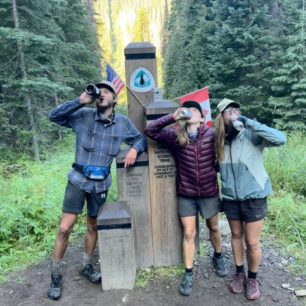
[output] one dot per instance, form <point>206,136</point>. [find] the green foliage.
<point>249,51</point>
<point>288,96</point>
<point>49,57</point>
<point>142,31</point>
<point>287,222</point>
<point>184,60</point>
<point>31,201</point>
<point>145,276</point>
<point>129,21</point>
<point>287,165</point>
<point>287,208</point>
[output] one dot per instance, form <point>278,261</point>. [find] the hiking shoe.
<point>55,290</point>
<point>252,289</point>
<point>237,284</point>
<point>220,266</point>
<point>186,286</point>
<point>90,274</point>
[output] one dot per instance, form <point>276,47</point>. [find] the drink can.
<point>185,114</point>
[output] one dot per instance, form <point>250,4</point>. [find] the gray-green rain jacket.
<point>243,175</point>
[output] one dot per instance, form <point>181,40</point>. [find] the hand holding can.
<point>237,124</point>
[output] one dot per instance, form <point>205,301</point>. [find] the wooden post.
<point>133,187</point>
<point>116,246</point>
<point>133,184</point>
<point>166,227</point>
<point>141,78</point>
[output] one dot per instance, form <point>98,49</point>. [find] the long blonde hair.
<point>182,135</point>
<point>220,136</point>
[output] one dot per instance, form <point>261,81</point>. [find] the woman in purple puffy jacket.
<point>192,145</point>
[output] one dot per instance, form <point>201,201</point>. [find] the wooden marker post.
<point>133,182</point>
<point>116,246</point>
<point>133,187</point>
<point>166,227</point>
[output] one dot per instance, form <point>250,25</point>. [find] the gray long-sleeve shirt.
<point>97,142</point>
<point>243,175</point>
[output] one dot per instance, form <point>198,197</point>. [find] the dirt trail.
<point>29,287</point>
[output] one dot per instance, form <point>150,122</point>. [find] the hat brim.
<point>233,104</point>
<point>105,85</point>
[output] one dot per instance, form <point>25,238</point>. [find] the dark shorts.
<point>74,201</point>
<point>248,211</point>
<point>188,207</point>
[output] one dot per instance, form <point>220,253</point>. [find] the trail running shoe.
<point>91,274</point>
<point>55,290</point>
<point>186,286</point>
<point>252,289</point>
<point>220,266</point>
<point>237,284</point>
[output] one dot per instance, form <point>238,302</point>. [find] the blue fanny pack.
<point>93,172</point>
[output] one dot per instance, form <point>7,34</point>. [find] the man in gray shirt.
<point>99,133</point>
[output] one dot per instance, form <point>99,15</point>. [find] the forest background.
<point>247,50</point>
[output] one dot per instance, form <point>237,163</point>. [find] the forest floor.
<point>28,287</point>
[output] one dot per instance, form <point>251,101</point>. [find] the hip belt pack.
<point>93,172</point>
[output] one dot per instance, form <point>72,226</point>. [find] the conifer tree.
<point>184,70</point>
<point>51,53</point>
<point>288,99</point>
<point>242,45</point>
<point>142,32</point>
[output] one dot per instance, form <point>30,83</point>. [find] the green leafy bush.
<point>287,165</point>
<point>31,202</point>
<point>287,208</point>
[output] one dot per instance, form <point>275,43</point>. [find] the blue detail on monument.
<point>142,80</point>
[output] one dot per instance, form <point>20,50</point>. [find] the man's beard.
<point>102,108</point>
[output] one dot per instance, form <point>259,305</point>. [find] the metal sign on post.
<point>142,80</point>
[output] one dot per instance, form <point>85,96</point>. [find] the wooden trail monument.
<point>147,188</point>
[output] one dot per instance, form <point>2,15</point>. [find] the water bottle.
<point>93,91</point>
<point>185,114</point>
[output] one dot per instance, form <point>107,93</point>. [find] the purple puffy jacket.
<point>196,174</point>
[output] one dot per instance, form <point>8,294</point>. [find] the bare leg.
<point>237,229</point>
<point>252,241</point>
<point>61,241</point>
<point>66,225</point>
<point>189,231</point>
<point>214,232</point>
<point>91,235</point>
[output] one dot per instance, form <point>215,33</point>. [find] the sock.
<point>189,271</point>
<point>252,274</point>
<point>87,260</point>
<point>56,268</point>
<point>217,255</point>
<point>239,269</point>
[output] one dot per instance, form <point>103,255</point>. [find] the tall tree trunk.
<point>91,17</point>
<point>60,136</point>
<point>24,77</point>
<point>111,31</point>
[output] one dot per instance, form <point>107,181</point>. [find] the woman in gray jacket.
<point>245,185</point>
